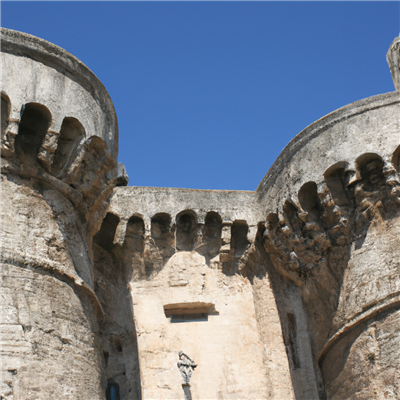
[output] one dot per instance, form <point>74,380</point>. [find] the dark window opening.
<point>370,169</point>
<point>186,231</point>
<point>239,241</point>
<point>134,237</point>
<point>35,121</point>
<point>309,199</point>
<point>112,392</point>
<point>71,134</point>
<point>195,317</point>
<point>212,234</point>
<point>336,182</point>
<point>106,234</point>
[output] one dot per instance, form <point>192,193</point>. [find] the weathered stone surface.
<point>288,292</point>
<point>57,175</point>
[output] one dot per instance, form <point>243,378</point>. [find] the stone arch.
<point>106,235</point>
<point>134,237</point>
<point>35,121</point>
<point>335,179</point>
<point>212,234</point>
<point>370,168</point>
<point>162,232</point>
<point>309,199</point>
<point>239,242</point>
<point>5,113</point>
<point>273,220</point>
<point>71,134</point>
<point>396,159</point>
<point>186,230</point>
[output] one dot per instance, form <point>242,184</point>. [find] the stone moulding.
<point>319,127</point>
<point>391,302</point>
<point>52,268</point>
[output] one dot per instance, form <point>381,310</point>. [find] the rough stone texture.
<point>204,283</point>
<point>288,292</point>
<point>57,175</point>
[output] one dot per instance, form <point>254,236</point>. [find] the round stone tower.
<point>58,168</point>
<point>332,202</point>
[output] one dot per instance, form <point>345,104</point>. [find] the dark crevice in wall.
<point>291,339</point>
<point>113,272</point>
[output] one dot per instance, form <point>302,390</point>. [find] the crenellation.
<point>288,292</point>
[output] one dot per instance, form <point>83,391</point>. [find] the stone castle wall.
<point>58,165</point>
<point>288,292</point>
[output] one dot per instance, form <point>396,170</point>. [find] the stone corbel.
<point>48,149</point>
<point>8,140</point>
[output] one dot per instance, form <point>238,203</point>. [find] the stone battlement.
<point>115,292</point>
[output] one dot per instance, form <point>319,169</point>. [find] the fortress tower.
<point>115,292</point>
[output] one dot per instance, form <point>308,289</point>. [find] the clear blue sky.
<point>207,94</point>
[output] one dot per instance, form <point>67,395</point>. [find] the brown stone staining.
<point>80,170</point>
<point>299,238</point>
<point>224,245</point>
<point>376,192</point>
<point>311,242</point>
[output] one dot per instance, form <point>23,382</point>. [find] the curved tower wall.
<point>91,290</point>
<point>332,202</point>
<point>59,147</point>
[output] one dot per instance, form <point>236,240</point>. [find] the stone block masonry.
<point>114,292</point>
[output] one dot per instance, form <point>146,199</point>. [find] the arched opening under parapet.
<point>35,121</point>
<point>239,242</point>
<point>309,199</point>
<point>162,234</point>
<point>134,237</point>
<point>71,133</point>
<point>335,179</point>
<point>396,159</point>
<point>5,113</point>
<point>370,169</point>
<point>212,235</point>
<point>273,220</point>
<point>186,230</point>
<point>105,236</point>
<point>291,211</point>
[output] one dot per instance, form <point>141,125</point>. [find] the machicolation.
<point>122,293</point>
